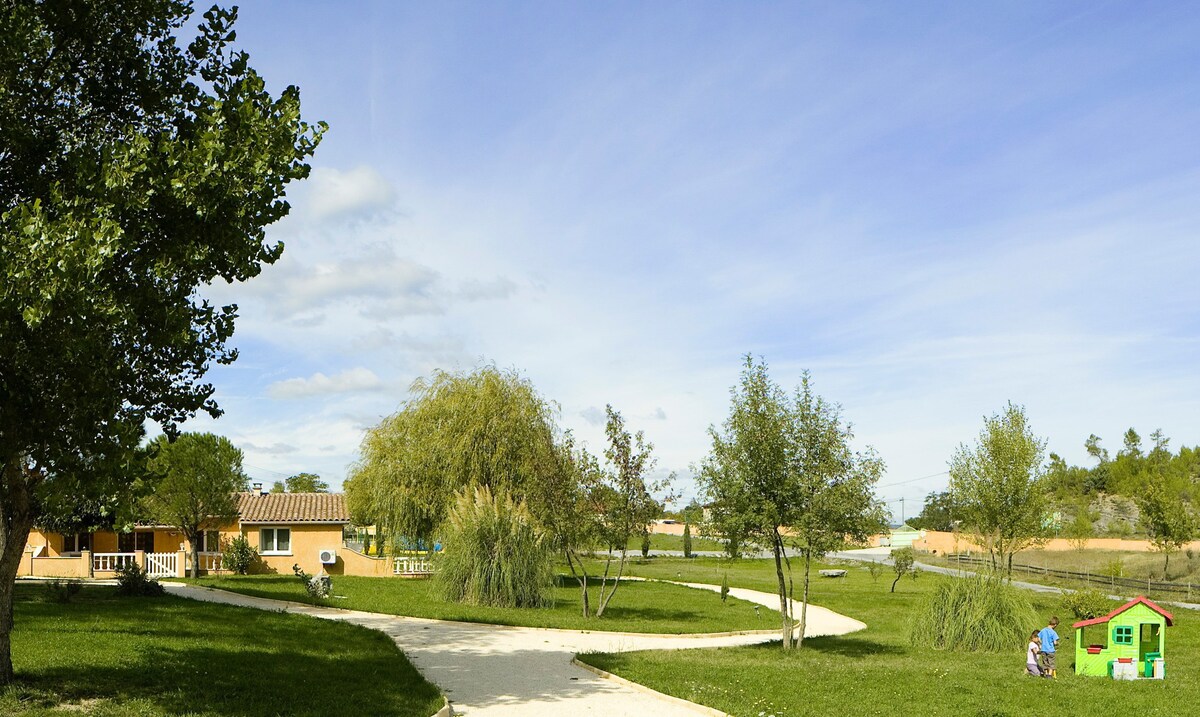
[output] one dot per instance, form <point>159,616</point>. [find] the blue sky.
<point>937,208</point>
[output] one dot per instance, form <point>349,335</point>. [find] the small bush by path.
<point>877,672</point>
<point>639,607</point>
<point>113,656</point>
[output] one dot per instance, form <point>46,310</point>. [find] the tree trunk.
<point>804,601</point>
<point>581,577</point>
<point>604,599</point>
<point>1166,564</point>
<point>16,519</point>
<point>194,540</point>
<point>784,608</point>
<point>898,576</point>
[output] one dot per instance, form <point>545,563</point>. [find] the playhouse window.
<point>1123,635</point>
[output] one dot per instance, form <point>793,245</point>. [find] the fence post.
<point>86,557</point>
<point>181,564</point>
<point>139,557</point>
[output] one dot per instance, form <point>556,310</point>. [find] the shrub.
<point>133,581</point>
<point>687,540</point>
<point>1086,604</point>
<point>875,569</point>
<point>725,587</point>
<point>62,591</point>
<point>1113,569</point>
<point>902,563</point>
<point>318,587</point>
<point>494,555</point>
<point>238,555</point>
<point>981,613</point>
<point>646,544</point>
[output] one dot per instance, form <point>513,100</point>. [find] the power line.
<point>913,480</point>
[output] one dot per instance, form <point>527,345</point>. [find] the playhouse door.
<point>1151,641</point>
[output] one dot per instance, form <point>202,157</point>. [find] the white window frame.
<point>274,530</point>
<point>206,545</point>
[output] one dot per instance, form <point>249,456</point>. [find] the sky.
<point>936,208</point>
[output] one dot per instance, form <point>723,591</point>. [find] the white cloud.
<point>336,193</point>
<point>351,381</point>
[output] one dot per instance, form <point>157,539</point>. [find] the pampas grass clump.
<point>974,614</point>
<point>494,554</point>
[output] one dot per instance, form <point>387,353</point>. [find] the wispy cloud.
<point>353,192</point>
<point>354,380</point>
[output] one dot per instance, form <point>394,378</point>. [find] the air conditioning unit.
<point>328,556</point>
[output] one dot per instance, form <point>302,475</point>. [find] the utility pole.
<point>901,511</point>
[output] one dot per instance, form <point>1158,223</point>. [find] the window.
<point>77,542</point>
<point>1123,635</point>
<point>129,542</point>
<point>275,541</point>
<point>210,541</point>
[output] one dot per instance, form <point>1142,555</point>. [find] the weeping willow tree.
<point>487,429</point>
<point>496,555</point>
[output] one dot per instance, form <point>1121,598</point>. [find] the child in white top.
<point>1031,655</point>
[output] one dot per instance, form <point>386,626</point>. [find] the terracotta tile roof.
<point>293,508</point>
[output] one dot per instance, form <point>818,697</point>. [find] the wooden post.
<point>181,564</point>
<point>139,557</point>
<point>86,557</point>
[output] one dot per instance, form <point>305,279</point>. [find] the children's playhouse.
<point>1128,643</point>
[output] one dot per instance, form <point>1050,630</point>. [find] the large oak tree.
<point>134,170</point>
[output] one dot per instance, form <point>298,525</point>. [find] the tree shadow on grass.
<point>845,646</point>
<point>180,657</point>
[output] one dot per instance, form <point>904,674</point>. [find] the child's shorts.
<point>1033,669</point>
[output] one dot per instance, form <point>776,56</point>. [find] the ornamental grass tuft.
<point>494,555</point>
<point>982,613</point>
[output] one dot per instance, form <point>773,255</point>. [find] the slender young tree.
<point>136,168</point>
<point>783,473</point>
<point>624,498</point>
<point>747,476</point>
<point>199,475</point>
<point>997,485</point>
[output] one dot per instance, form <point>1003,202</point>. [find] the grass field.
<point>124,657</point>
<point>1133,564</point>
<point>637,607</point>
<point>662,541</point>
<point>876,672</point>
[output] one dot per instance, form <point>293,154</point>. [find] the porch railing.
<point>109,562</point>
<point>210,562</point>
<point>412,566</point>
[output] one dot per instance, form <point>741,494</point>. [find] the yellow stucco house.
<point>286,528</point>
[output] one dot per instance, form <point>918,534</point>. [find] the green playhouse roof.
<point>1139,599</point>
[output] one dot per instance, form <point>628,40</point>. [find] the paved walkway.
<point>499,671</point>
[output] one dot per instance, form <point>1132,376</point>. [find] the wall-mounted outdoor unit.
<point>328,556</point>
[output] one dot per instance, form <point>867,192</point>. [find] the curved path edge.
<point>503,671</point>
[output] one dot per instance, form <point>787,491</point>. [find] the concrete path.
<point>500,671</point>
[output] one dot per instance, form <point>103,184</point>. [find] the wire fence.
<point>1097,579</point>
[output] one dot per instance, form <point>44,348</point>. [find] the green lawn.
<point>109,656</point>
<point>876,672</point>
<point>662,541</point>
<point>637,607</point>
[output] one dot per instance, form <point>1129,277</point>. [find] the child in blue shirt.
<point>1049,643</point>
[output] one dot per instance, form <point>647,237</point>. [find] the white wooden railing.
<point>108,562</point>
<point>210,562</point>
<point>412,566</point>
<point>162,565</point>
